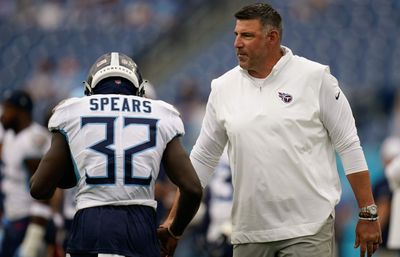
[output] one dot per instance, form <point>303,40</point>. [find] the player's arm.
<point>208,148</point>
<point>181,172</point>
<point>41,213</point>
<point>54,170</point>
<point>38,216</point>
<point>40,210</point>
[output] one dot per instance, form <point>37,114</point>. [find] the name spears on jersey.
<point>115,103</point>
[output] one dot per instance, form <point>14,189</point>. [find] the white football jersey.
<point>31,143</point>
<point>117,143</point>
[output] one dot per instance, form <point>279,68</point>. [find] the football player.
<point>110,143</point>
<point>24,143</point>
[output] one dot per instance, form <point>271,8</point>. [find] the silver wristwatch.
<point>369,212</point>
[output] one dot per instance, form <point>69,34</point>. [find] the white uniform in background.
<point>282,133</point>
<point>1,131</point>
<point>220,203</point>
<point>30,143</point>
<point>392,173</point>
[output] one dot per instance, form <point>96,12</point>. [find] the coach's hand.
<point>167,242</point>
<point>368,237</point>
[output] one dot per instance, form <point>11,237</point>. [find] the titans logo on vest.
<point>286,98</point>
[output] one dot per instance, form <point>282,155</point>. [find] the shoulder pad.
<point>168,106</point>
<point>64,103</point>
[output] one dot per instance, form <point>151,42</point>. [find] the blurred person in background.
<point>24,143</point>
<point>395,119</point>
<point>219,197</point>
<point>392,172</point>
<point>1,129</point>
<point>60,226</point>
<point>1,173</point>
<point>390,149</point>
<point>283,117</point>
<point>68,211</point>
<point>110,144</point>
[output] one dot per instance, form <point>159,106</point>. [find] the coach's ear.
<point>273,38</point>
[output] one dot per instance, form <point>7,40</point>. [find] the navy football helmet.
<point>114,65</point>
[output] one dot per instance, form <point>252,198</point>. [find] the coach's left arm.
<point>368,232</point>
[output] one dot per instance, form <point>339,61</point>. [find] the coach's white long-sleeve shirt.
<point>282,133</point>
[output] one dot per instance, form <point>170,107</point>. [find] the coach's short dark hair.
<point>262,11</point>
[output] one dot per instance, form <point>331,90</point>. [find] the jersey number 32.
<point>103,148</point>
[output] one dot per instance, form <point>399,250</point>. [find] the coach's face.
<point>251,44</point>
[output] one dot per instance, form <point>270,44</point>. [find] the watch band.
<point>369,219</point>
<point>369,213</point>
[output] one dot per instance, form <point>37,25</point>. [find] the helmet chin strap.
<point>88,90</point>
<point>141,88</point>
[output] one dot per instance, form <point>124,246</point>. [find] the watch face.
<point>373,209</point>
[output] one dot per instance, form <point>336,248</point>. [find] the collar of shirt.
<point>287,55</point>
